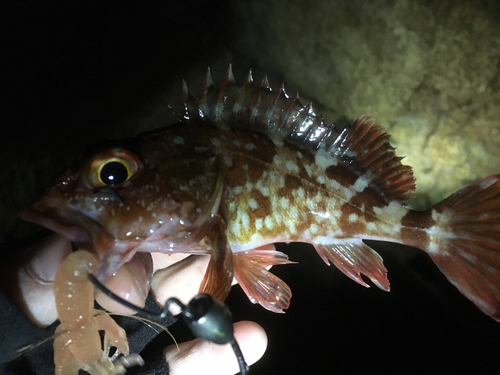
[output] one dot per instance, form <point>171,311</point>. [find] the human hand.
<point>166,275</point>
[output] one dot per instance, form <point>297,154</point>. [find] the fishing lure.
<point>77,343</point>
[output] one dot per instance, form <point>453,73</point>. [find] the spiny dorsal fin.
<point>364,147</point>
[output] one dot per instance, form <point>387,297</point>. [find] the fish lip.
<point>85,231</point>
<point>74,232</point>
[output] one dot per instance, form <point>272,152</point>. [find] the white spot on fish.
<point>237,143</point>
<point>272,177</point>
<point>236,227</point>
<point>300,192</point>
<point>284,203</point>
<point>258,223</point>
<point>360,184</point>
<point>348,193</point>
<point>263,189</point>
<point>352,218</point>
<point>178,140</point>
<point>308,169</point>
<point>324,215</point>
<point>277,142</point>
<point>277,160</point>
<point>250,146</point>
<point>290,225</point>
<point>253,204</point>
<point>215,142</point>
<point>324,159</point>
<point>292,166</point>
<point>269,222</point>
<point>237,108</point>
<point>245,220</point>
<point>228,161</point>
<point>394,212</point>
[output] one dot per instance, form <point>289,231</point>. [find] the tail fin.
<point>465,242</point>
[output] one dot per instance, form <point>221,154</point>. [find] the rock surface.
<point>429,72</point>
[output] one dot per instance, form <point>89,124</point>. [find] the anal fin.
<point>260,285</point>
<point>354,259</point>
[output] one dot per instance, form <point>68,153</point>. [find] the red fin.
<point>465,242</point>
<point>354,259</point>
<point>365,147</point>
<point>219,274</point>
<point>260,285</point>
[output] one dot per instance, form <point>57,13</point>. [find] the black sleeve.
<point>16,332</point>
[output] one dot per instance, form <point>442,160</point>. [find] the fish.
<point>248,166</point>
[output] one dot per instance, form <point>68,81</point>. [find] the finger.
<point>181,280</point>
<point>161,261</point>
<point>131,282</point>
<point>203,357</point>
<point>36,278</point>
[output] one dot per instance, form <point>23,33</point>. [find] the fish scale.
<point>246,167</point>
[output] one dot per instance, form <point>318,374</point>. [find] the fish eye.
<point>113,172</point>
<point>111,168</point>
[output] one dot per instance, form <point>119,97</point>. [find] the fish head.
<point>116,200</point>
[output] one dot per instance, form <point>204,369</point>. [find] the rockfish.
<point>248,166</point>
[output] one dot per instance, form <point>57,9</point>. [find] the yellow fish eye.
<point>111,168</point>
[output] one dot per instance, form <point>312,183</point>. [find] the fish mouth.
<point>70,222</point>
<point>85,232</point>
<point>74,232</point>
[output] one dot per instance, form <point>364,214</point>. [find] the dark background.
<point>73,74</point>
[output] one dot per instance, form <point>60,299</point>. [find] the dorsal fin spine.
<point>190,102</point>
<point>273,105</point>
<point>207,83</point>
<point>363,147</point>
<point>288,111</point>
<point>255,105</point>
<point>228,80</point>
<point>265,83</point>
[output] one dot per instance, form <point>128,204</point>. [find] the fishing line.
<point>207,318</point>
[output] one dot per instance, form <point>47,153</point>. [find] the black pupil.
<point>114,173</point>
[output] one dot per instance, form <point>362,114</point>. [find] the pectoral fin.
<point>354,259</point>
<point>219,275</point>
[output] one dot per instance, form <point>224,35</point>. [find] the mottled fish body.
<point>246,167</point>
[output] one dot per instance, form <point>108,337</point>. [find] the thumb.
<point>203,357</point>
<point>35,279</point>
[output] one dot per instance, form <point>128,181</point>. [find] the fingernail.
<point>140,268</point>
<point>48,255</point>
